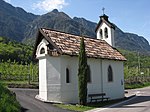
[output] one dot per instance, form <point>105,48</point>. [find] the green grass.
<point>81,108</point>
<point>17,82</point>
<point>139,85</point>
<point>20,84</point>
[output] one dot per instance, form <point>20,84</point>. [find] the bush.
<point>8,102</point>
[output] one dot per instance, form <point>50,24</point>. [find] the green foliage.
<point>136,64</point>
<point>16,71</point>
<point>139,85</point>
<point>82,74</point>
<point>134,59</point>
<point>136,69</point>
<point>14,51</point>
<point>8,102</point>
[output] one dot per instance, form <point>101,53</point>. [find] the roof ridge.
<point>66,33</point>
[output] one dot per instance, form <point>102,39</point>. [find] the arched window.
<point>101,33</point>
<point>110,74</point>
<point>89,74</point>
<point>42,51</point>
<point>106,32</point>
<point>67,76</point>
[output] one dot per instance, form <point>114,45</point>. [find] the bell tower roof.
<point>104,18</point>
<point>105,30</point>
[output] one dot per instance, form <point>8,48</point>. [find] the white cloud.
<point>8,1</point>
<point>48,5</point>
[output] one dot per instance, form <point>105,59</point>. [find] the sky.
<point>129,15</point>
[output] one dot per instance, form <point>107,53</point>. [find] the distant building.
<point>57,53</point>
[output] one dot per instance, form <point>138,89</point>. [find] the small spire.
<point>103,9</point>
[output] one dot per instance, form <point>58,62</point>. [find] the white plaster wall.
<point>42,79</point>
<point>113,37</point>
<point>95,86</point>
<point>110,39</point>
<point>69,91</point>
<point>53,78</point>
<point>114,89</point>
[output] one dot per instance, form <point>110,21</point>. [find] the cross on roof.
<point>103,9</point>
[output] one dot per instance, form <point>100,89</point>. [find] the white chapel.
<point>57,53</point>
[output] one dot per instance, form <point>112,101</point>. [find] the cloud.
<point>48,5</point>
<point>8,1</point>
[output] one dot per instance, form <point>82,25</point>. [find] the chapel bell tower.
<point>105,30</point>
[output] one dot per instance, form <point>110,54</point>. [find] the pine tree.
<point>82,74</point>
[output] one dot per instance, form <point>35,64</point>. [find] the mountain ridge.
<point>24,27</point>
<point>13,21</point>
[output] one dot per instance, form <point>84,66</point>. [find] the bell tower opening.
<point>105,29</point>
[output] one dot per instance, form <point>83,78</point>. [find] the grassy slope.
<point>8,102</point>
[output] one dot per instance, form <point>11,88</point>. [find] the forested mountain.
<point>17,24</point>
<point>13,21</point>
<point>62,22</point>
<point>131,42</point>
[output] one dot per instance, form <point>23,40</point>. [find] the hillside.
<point>62,22</point>
<point>13,21</point>
<point>131,42</point>
<point>14,51</point>
<point>135,59</point>
<point>24,27</point>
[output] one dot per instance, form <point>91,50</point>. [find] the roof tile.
<point>70,44</point>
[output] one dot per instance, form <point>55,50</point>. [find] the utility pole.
<point>139,62</point>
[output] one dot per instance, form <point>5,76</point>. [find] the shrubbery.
<point>11,50</point>
<point>8,102</point>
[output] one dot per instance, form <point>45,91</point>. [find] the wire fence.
<point>33,78</point>
<point>136,75</point>
<point>137,79</point>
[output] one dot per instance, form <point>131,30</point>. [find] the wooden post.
<point>29,75</point>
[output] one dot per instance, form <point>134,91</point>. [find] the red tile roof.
<point>69,44</point>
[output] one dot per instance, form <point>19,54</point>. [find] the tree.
<point>82,74</point>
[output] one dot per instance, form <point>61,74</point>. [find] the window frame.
<point>89,78</point>
<point>101,33</point>
<point>106,32</point>
<point>42,50</point>
<point>67,76</point>
<point>110,74</point>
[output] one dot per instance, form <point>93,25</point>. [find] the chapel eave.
<point>68,44</point>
